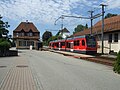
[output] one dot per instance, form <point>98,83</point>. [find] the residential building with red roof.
<point>111,34</point>
<point>25,35</point>
<point>64,33</point>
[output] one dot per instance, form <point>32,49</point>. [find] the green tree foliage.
<point>80,28</point>
<point>52,38</point>
<point>117,64</point>
<point>46,35</point>
<point>4,46</point>
<point>86,26</point>
<point>110,15</point>
<point>46,43</point>
<point>3,26</point>
<point>4,41</point>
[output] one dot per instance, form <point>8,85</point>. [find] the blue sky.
<point>43,13</point>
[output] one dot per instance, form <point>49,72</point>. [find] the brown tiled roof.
<point>26,26</point>
<point>110,24</point>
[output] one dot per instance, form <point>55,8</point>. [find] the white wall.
<point>109,46</point>
<point>65,35</point>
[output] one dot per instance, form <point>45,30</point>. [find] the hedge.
<point>117,64</point>
<point>4,46</point>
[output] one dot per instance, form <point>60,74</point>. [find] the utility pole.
<point>91,19</point>
<point>62,22</point>
<point>103,5</point>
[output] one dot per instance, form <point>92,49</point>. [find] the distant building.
<point>111,34</point>
<point>26,34</point>
<point>64,32</point>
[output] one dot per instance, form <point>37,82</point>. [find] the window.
<point>53,45</point>
<point>68,44</point>
<point>30,34</point>
<point>17,34</point>
<point>62,44</point>
<point>24,43</point>
<point>83,42</point>
<point>30,43</point>
<point>116,37</point>
<point>57,45</point>
<point>22,33</point>
<point>110,38</point>
<point>20,43</point>
<point>76,43</point>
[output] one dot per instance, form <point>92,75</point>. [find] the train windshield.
<point>91,41</point>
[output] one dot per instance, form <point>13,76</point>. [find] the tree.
<point>86,26</point>
<point>52,38</point>
<point>46,35</point>
<point>110,15</point>
<point>4,46</point>
<point>4,41</point>
<point>80,28</point>
<point>3,26</point>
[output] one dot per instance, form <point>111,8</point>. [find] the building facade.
<point>64,33</point>
<point>111,34</point>
<point>26,35</point>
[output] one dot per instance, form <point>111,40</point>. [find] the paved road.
<point>52,71</point>
<point>58,72</point>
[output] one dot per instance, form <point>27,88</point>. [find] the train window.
<point>68,45</point>
<point>53,45</point>
<point>76,43</point>
<point>83,42</point>
<point>57,45</point>
<point>62,43</point>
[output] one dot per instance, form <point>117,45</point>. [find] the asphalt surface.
<point>52,71</point>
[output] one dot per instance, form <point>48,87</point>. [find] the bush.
<point>117,64</point>
<point>4,46</point>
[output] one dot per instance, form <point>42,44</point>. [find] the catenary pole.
<point>102,32</point>
<point>91,19</point>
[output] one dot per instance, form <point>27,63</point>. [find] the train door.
<point>83,44</point>
<point>59,46</point>
<point>71,46</point>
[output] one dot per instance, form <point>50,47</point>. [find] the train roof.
<point>77,37</point>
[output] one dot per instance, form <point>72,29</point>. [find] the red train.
<point>81,44</point>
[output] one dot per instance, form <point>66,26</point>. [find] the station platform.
<point>102,59</point>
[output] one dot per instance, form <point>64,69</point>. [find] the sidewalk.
<point>19,76</point>
<point>98,59</point>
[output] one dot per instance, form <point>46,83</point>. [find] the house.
<point>64,32</point>
<point>111,34</point>
<point>25,35</point>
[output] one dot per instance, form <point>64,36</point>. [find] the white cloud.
<point>113,4</point>
<point>44,10</point>
<point>47,11</point>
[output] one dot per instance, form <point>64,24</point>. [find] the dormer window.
<point>30,34</point>
<point>17,34</point>
<point>22,34</point>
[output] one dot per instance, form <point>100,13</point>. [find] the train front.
<point>91,45</point>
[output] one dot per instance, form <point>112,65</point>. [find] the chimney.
<point>27,21</point>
